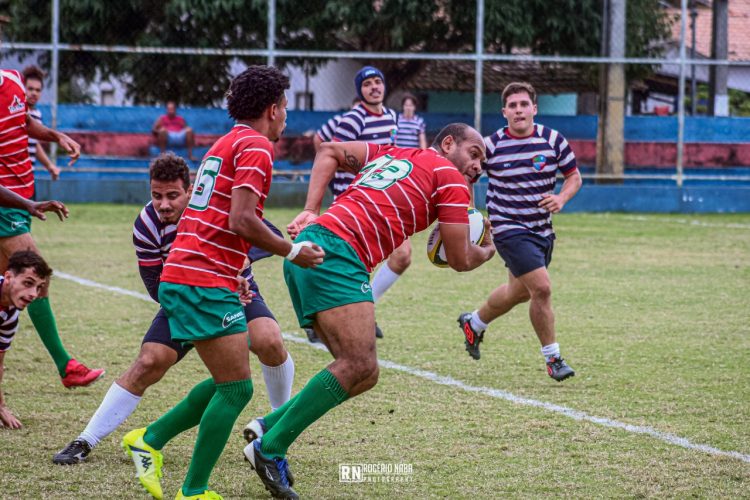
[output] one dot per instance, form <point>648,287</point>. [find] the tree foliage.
<point>566,27</point>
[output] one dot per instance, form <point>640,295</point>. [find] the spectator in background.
<point>171,130</point>
<point>411,127</point>
<point>33,77</point>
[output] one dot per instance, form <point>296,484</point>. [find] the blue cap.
<point>362,75</point>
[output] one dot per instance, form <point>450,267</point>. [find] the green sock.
<point>43,319</point>
<point>185,415</point>
<point>272,418</point>
<point>322,393</point>
<point>216,426</point>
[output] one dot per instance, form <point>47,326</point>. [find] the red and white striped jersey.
<point>205,252</point>
<point>399,192</point>
<point>16,172</point>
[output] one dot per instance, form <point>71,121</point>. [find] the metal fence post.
<point>55,74</point>
<point>478,67</point>
<point>271,32</point>
<point>681,95</point>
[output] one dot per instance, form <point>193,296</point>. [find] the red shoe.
<point>78,375</point>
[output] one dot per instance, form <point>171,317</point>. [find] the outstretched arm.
<point>36,208</point>
<point>244,221</point>
<point>332,156</point>
<point>41,155</point>
<point>38,131</point>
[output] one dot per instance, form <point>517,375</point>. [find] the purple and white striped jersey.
<point>520,171</point>
<point>359,124</point>
<point>8,323</point>
<point>328,129</point>
<point>409,130</point>
<point>33,143</point>
<point>151,237</point>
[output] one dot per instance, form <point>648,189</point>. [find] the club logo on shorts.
<point>539,161</point>
<point>231,318</point>
<point>365,287</point>
<point>383,172</point>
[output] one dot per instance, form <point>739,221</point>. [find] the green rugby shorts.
<point>14,222</point>
<point>201,313</point>
<point>340,280</point>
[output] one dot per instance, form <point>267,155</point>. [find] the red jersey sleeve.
<point>451,196</point>
<point>253,166</point>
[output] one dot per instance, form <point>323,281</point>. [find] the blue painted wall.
<point>216,121</point>
<point>592,198</point>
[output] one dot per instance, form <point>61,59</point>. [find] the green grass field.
<point>652,312</point>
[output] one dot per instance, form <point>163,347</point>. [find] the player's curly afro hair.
<point>253,90</point>
<point>168,167</point>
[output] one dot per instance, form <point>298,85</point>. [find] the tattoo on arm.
<point>352,162</point>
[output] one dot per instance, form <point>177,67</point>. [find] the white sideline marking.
<point>487,391</point>
<point>94,284</point>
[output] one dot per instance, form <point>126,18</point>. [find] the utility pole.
<point>610,158</point>
<point>718,101</point>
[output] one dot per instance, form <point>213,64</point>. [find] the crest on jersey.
<point>383,172</point>
<point>16,106</point>
<point>539,162</point>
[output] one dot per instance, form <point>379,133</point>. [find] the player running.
<point>154,231</point>
<point>396,192</point>
<point>524,158</point>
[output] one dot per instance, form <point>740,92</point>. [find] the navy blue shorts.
<point>159,331</point>
<point>524,252</point>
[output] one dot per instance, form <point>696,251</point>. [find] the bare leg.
<point>153,361</point>
<point>190,142</point>
<point>503,299</point>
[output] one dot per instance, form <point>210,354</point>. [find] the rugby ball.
<point>435,249</point>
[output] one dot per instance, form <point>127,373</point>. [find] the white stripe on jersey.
<point>200,221</point>
<point>208,242</point>
<point>259,150</point>
<point>200,270</point>
<point>372,223</point>
<point>367,247</point>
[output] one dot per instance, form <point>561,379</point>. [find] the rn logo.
<point>350,473</point>
<point>384,172</point>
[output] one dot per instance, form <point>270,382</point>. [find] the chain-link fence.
<point>643,89</point>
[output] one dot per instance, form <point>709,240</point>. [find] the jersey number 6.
<point>204,183</point>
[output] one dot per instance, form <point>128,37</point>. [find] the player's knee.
<point>400,264</point>
<point>151,365</point>
<point>368,372</point>
<point>542,291</point>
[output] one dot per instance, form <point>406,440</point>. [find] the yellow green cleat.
<point>147,460</point>
<point>206,495</point>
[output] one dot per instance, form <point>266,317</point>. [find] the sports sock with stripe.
<point>185,415</point>
<point>322,393</point>
<point>43,319</point>
<point>215,427</point>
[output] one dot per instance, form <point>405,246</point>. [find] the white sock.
<point>278,381</point>
<point>116,406</point>
<point>383,280</point>
<point>551,351</point>
<point>476,323</point>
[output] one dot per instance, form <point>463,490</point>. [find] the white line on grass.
<point>487,391</point>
